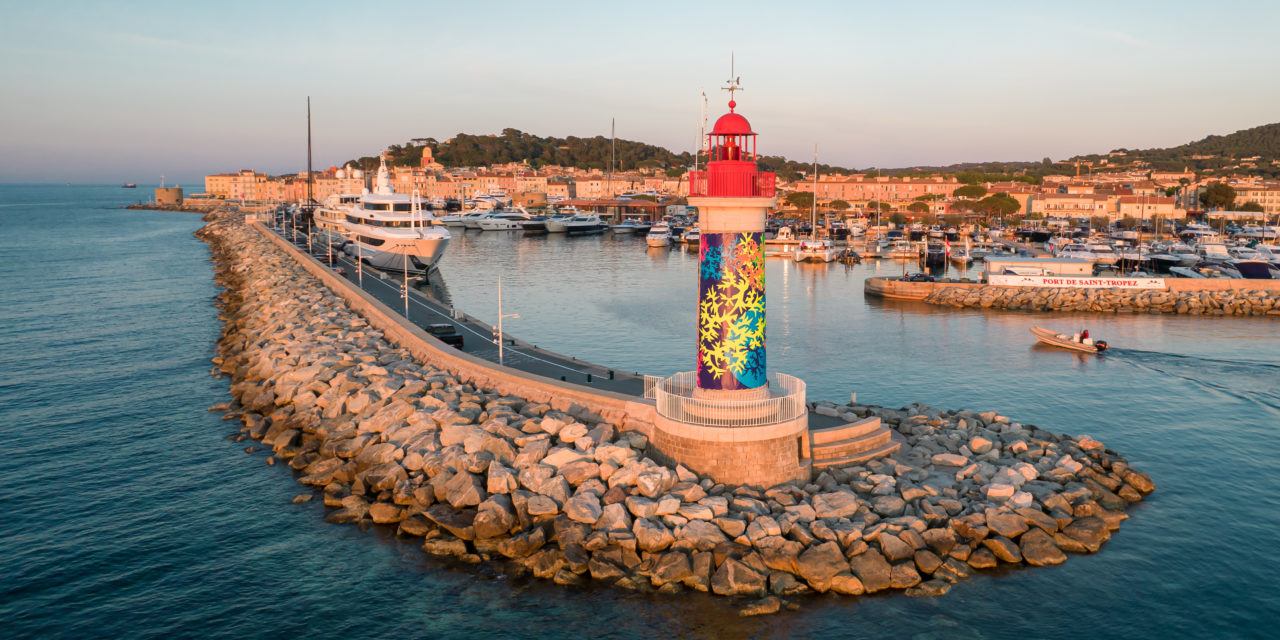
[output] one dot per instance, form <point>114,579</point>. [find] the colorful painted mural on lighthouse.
<point>731,311</point>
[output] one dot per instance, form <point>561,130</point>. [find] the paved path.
<point>478,337</point>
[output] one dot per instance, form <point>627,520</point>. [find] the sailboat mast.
<point>309,176</point>
<point>813,217</point>
<point>613,142</point>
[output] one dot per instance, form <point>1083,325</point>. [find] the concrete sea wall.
<point>389,433</point>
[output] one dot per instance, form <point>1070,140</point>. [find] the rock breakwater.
<point>568,497</point>
<point>1248,302</point>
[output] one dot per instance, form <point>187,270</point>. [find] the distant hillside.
<point>1259,141</point>
<point>469,150</point>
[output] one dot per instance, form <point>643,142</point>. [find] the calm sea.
<point>125,511</point>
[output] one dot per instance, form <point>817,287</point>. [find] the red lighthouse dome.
<point>732,124</point>
<point>731,167</point>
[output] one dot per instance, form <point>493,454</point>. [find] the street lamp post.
<point>501,316</point>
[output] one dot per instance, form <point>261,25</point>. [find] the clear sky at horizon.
<point>110,92</point>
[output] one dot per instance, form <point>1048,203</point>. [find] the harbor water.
<point>128,513</point>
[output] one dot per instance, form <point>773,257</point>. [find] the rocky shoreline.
<point>482,477</point>
<point>1252,302</point>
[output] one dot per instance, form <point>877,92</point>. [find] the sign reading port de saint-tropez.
<point>1082,282</point>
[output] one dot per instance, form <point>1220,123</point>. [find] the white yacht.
<point>509,220</point>
<point>452,220</point>
<point>556,223</point>
<point>1209,250</point>
<point>582,225</point>
<point>392,231</point>
<point>472,220</point>
<point>628,226</point>
<point>329,222</point>
<point>1102,252</point>
<point>815,250</point>
<point>691,235</point>
<point>659,235</point>
<point>1077,251</point>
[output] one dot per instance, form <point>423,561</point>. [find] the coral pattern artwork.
<point>731,311</point>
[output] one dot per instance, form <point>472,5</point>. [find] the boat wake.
<point>1249,380</point>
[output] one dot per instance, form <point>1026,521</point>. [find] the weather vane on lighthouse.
<point>735,84</point>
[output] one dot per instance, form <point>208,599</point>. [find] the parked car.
<point>446,333</point>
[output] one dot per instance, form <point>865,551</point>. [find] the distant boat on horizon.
<point>129,185</point>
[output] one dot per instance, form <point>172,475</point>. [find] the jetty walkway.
<point>479,338</point>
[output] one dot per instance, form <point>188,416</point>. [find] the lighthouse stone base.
<point>759,456</point>
<point>760,438</point>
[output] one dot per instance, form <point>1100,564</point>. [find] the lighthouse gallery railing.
<point>740,182</point>
<point>674,398</point>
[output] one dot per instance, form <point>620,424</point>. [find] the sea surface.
<point>126,511</point>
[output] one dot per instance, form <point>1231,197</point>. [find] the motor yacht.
<point>392,231</point>
<point>536,225</point>
<point>626,227</point>
<point>472,220</point>
<point>816,250</point>
<point>691,235</point>
<point>329,221</point>
<point>1103,254</point>
<point>899,249</point>
<point>580,225</point>
<point>659,235</point>
<point>1077,251</point>
<point>556,223</point>
<point>509,220</point>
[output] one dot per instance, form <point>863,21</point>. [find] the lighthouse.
<point>731,418</point>
<point>732,197</point>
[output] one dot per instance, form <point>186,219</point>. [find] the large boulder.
<point>651,536</point>
<point>1009,525</point>
<point>836,504</point>
<point>459,522</point>
<point>701,535</point>
<point>734,578</point>
<point>494,517</point>
<point>1003,549</point>
<point>779,553</point>
<point>894,548</point>
<point>872,570</point>
<point>1039,550</point>
<point>523,544</point>
<point>819,563</point>
<point>386,416</point>
<point>584,507</point>
<point>1089,532</point>
<point>672,566</point>
<point>465,490</point>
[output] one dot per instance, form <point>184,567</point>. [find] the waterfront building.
<point>860,189</point>
<point>1145,208</point>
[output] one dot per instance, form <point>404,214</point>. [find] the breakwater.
<point>1232,302</point>
<point>388,436</point>
<point>1221,297</point>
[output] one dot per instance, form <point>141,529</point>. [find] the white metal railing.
<point>650,384</point>
<point>674,396</point>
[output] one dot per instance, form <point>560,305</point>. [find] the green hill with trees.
<point>1215,153</point>
<point>512,145</point>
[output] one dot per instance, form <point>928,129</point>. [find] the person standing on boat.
<point>1084,335</point>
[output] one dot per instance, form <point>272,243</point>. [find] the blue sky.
<point>107,92</point>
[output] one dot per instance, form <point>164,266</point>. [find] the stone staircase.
<point>851,443</point>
